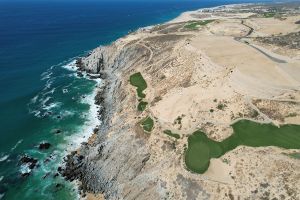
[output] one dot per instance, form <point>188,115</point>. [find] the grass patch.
<point>169,133</point>
<point>269,14</point>
<point>294,155</point>
<point>147,124</point>
<point>138,81</point>
<point>201,149</point>
<point>142,105</point>
<point>194,25</point>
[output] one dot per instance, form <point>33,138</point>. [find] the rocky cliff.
<point>193,83</point>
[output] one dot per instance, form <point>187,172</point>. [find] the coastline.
<point>74,166</point>
<point>93,165</point>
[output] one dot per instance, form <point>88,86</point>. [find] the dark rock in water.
<point>47,160</point>
<point>58,117</point>
<point>44,145</point>
<point>79,74</point>
<point>94,76</point>
<point>79,64</point>
<point>58,187</point>
<point>99,100</point>
<point>28,162</point>
<point>26,159</point>
<point>84,143</point>
<point>24,175</point>
<point>46,175</point>
<point>57,131</point>
<point>297,22</point>
<point>72,168</point>
<point>95,130</point>
<point>55,175</point>
<point>59,169</point>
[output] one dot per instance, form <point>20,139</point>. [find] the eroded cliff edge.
<point>203,75</point>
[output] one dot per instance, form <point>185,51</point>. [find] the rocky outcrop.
<point>27,164</point>
<point>44,145</point>
<point>112,162</point>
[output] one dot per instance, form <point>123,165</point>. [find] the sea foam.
<point>3,158</point>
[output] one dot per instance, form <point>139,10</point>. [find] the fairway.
<point>148,124</point>
<point>171,134</point>
<point>142,105</point>
<point>201,149</point>
<point>195,24</point>
<point>138,81</point>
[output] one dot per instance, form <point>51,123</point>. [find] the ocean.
<point>42,99</point>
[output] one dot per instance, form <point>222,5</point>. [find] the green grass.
<point>269,14</point>
<point>147,124</point>
<point>142,105</point>
<point>169,133</point>
<point>194,25</point>
<point>138,81</point>
<point>294,155</point>
<point>201,149</point>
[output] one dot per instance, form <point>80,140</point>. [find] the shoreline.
<point>70,170</point>
<point>112,62</point>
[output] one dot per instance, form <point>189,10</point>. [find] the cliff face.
<point>114,162</point>
<point>198,77</point>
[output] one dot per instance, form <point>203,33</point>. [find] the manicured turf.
<point>142,105</point>
<point>169,133</point>
<point>269,15</point>
<point>195,24</point>
<point>201,149</point>
<point>148,124</point>
<point>138,81</point>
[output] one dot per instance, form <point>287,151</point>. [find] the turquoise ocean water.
<point>39,94</point>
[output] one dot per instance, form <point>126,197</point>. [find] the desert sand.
<point>208,76</point>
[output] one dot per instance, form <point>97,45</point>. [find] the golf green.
<point>201,149</point>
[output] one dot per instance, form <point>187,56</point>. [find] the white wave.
<point>65,90</point>
<point>86,130</point>
<point>1,178</point>
<point>51,91</point>
<point>70,66</point>
<point>46,75</point>
<point>3,158</point>
<point>1,196</point>
<point>33,100</point>
<point>25,169</point>
<point>36,113</point>
<point>45,100</point>
<point>48,84</point>
<point>16,145</point>
<point>67,113</point>
<point>52,105</point>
